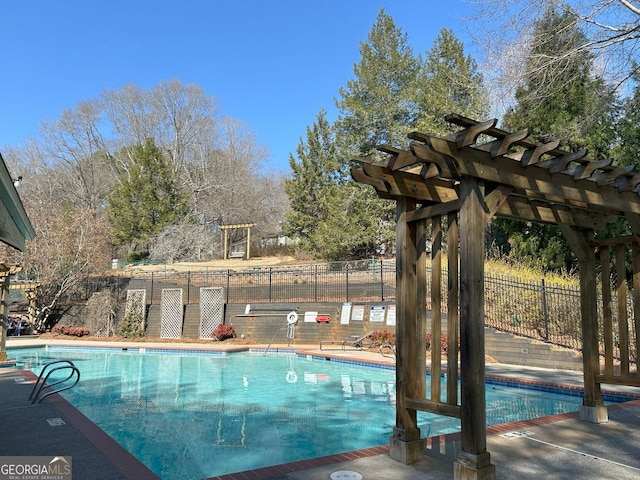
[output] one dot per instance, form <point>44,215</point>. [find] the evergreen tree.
<point>563,100</point>
<point>315,176</point>
<point>392,94</point>
<point>451,83</point>
<point>146,199</point>
<point>627,152</point>
<point>379,106</point>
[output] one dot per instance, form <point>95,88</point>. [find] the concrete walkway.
<point>559,447</point>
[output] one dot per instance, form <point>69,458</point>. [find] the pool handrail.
<point>41,383</point>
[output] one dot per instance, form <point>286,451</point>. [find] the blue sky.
<point>273,65</point>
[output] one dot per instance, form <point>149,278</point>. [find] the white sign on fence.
<point>310,316</point>
<point>377,313</point>
<point>391,314</point>
<point>357,313</point>
<point>345,314</point>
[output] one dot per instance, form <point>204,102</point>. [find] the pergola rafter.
<point>465,179</point>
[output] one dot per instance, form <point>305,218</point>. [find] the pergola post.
<point>406,446</point>
<point>473,462</point>
<point>593,409</point>
<point>248,250</point>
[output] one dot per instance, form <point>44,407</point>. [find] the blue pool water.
<point>190,416</point>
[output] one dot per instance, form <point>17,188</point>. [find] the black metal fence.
<point>539,310</point>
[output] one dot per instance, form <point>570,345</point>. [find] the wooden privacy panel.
<point>443,291</point>
<point>211,310</point>
<point>620,320</point>
<point>172,312</point>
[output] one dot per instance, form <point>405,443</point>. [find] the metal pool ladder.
<point>36,393</point>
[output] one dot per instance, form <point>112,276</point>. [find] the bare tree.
<point>78,158</point>
<point>611,29</point>
<point>74,144</point>
<point>181,119</point>
<point>71,240</point>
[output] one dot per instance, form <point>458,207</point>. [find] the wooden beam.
<point>495,199</point>
<point>635,266</point>
<point>438,408</point>
<point>446,168</point>
<point>432,211</point>
<point>477,162</point>
<point>502,146</point>
<point>560,164</point>
<point>584,171</point>
<point>411,321</point>
<point>618,380</point>
<point>402,184</point>
<point>532,156</point>
<point>469,135</point>
<point>453,299</point>
<point>436,308</point>
<point>393,185</point>
<point>520,208</point>
<point>472,349</point>
<point>623,320</point>
<point>611,176</point>
<point>579,243</point>
<point>607,319</point>
<point>629,183</point>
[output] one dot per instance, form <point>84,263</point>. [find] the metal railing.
<point>536,309</point>
<point>37,394</point>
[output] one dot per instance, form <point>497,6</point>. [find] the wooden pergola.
<point>226,228</point>
<point>465,179</point>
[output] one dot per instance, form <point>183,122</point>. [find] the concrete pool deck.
<point>559,447</point>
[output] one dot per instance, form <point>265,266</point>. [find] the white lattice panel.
<point>211,310</point>
<point>136,304</point>
<point>171,320</point>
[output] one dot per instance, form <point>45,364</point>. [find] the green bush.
<point>137,256</point>
<point>131,326</point>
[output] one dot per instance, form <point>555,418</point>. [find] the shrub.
<point>131,326</point>
<point>222,332</point>
<point>70,331</point>
<point>383,337</point>
<point>137,256</point>
<point>444,346</point>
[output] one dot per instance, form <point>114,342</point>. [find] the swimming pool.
<point>189,415</point>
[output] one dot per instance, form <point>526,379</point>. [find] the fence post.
<point>228,282</point>
<point>151,293</point>
<point>545,313</point>
<point>381,282</point>
<point>270,272</point>
<point>188,287</point>
<point>315,282</point>
<point>347,278</point>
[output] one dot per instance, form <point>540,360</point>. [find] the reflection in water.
<point>189,416</point>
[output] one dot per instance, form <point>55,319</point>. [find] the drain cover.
<point>345,475</point>
<point>520,434</point>
<point>55,422</point>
